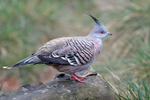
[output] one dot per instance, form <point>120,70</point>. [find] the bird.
<point>69,54</point>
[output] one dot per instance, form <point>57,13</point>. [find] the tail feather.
<point>26,61</point>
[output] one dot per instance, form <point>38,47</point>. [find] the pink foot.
<point>73,77</point>
<point>77,78</point>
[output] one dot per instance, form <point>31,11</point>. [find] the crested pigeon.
<point>69,54</point>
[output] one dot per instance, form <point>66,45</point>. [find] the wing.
<point>71,51</point>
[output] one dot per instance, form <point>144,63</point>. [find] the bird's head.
<point>99,29</point>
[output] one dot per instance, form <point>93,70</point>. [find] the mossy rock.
<point>93,88</point>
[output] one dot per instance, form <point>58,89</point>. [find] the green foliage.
<point>127,65</point>
<point>136,91</point>
<point>142,54</point>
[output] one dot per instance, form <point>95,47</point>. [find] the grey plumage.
<point>28,60</point>
<point>69,54</point>
<point>72,51</point>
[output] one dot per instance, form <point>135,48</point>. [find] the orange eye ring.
<point>101,32</point>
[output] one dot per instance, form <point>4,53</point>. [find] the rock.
<point>93,88</point>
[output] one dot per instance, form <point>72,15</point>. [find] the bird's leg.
<point>73,77</point>
<point>79,77</point>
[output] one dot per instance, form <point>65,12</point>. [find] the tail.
<point>29,60</point>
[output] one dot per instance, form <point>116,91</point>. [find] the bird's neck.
<point>95,36</point>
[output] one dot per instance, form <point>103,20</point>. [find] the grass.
<point>127,65</point>
<point>136,91</point>
<point>139,88</point>
<point>133,82</point>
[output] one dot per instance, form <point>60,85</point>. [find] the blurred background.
<point>124,62</point>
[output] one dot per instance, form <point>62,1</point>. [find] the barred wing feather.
<point>75,52</point>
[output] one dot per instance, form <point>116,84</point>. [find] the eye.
<point>101,32</point>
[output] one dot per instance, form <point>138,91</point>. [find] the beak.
<point>109,33</point>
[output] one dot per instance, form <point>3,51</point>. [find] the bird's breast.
<point>98,46</point>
